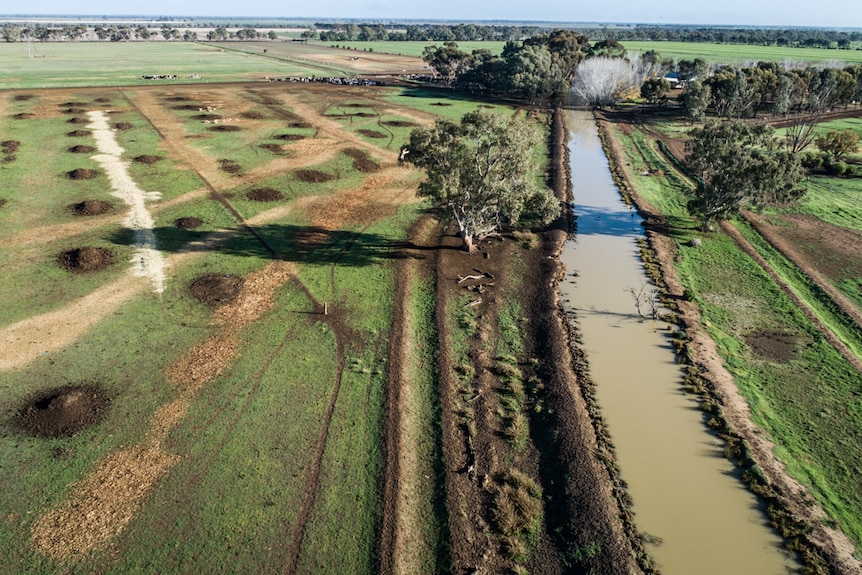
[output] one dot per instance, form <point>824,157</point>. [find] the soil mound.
<point>772,345</point>
<point>272,149</point>
<point>372,134</point>
<point>188,223</point>
<point>24,97</point>
<point>79,133</point>
<point>313,176</point>
<point>398,123</point>
<point>354,105</point>
<point>74,111</point>
<point>24,116</point>
<point>254,115</point>
<point>216,289</point>
<point>229,166</point>
<point>123,126</point>
<point>10,146</point>
<point>83,174</point>
<point>73,104</point>
<point>2,202</point>
<point>204,117</point>
<point>102,100</point>
<point>63,412</point>
<point>147,159</point>
<point>90,208</point>
<point>300,125</point>
<point>177,99</point>
<point>364,115</point>
<point>362,162</point>
<point>78,120</point>
<point>289,137</point>
<point>81,149</point>
<point>264,195</point>
<point>85,260</point>
<point>224,128</point>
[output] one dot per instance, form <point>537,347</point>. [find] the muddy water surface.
<point>684,491</point>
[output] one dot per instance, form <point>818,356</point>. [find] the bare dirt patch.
<point>264,195</point>
<point>82,149</point>
<point>206,117</point>
<point>102,100</point>
<point>74,110</point>
<point>79,133</point>
<point>398,123</point>
<point>272,149</point>
<point>362,160</point>
<point>773,345</point>
<point>372,134</point>
<point>289,137</point>
<point>123,126</point>
<point>23,97</point>
<point>188,223</point>
<point>2,202</point>
<point>301,125</point>
<point>90,208</point>
<point>147,159</point>
<point>224,128</point>
<point>9,146</point>
<point>62,412</point>
<point>216,289</point>
<point>185,107</point>
<point>24,116</point>
<point>253,115</point>
<point>78,120</point>
<point>313,176</point>
<point>86,259</point>
<point>82,174</point>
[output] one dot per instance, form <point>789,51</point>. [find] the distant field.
<point>414,48</point>
<point>58,64</point>
<point>733,53</point>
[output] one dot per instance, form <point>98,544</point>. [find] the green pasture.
<point>413,48</point>
<point>742,53</point>
<point>68,64</point>
<point>808,405</point>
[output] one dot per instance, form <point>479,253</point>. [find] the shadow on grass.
<point>301,244</point>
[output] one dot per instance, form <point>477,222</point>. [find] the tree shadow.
<point>302,244</point>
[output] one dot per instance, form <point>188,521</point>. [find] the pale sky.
<point>822,13</point>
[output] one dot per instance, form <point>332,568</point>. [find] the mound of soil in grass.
<point>177,99</point>
<point>23,97</point>
<point>354,105</point>
<point>78,120</point>
<point>398,123</point>
<point>63,412</point>
<point>300,125</point>
<point>289,137</point>
<point>216,289</point>
<point>82,174</point>
<point>74,111</point>
<point>147,159</point>
<point>85,260</point>
<point>362,162</point>
<point>73,104</point>
<point>8,159</point>
<point>224,128</point>
<point>79,133</point>
<point>102,100</point>
<point>123,126</point>
<point>372,134</point>
<point>272,148</point>
<point>773,345</point>
<point>187,107</point>
<point>90,208</point>
<point>364,115</point>
<point>24,116</point>
<point>82,149</point>
<point>229,166</point>
<point>9,146</point>
<point>313,176</point>
<point>253,115</point>
<point>188,223</point>
<point>204,117</point>
<point>264,195</point>
<point>2,202</point>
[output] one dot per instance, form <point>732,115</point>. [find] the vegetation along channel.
<point>694,515</point>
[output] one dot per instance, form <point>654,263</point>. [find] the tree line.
<point>125,33</point>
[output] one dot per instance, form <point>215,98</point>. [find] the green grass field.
<point>743,53</point>
<point>413,48</point>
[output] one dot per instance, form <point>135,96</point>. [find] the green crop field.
<point>414,48</point>
<point>742,53</point>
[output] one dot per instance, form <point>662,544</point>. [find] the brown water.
<point>683,489</point>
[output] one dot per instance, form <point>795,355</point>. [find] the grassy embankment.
<point>809,404</point>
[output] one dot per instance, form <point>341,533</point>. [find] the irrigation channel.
<point>686,496</point>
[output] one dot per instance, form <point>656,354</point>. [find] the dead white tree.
<point>600,81</point>
<point>646,300</point>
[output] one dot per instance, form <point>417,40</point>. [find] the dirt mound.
<point>63,412</point>
<point>372,134</point>
<point>300,125</point>
<point>313,176</point>
<point>264,195</point>
<point>254,115</point>
<point>224,128</point>
<point>216,289</point>
<point>85,260</point>
<point>186,107</point>
<point>74,111</point>
<point>205,117</point>
<point>82,174</point>
<point>79,133</point>
<point>102,100</point>
<point>147,159</point>
<point>354,105</point>
<point>272,149</point>
<point>2,202</point>
<point>81,149</point>
<point>398,123</point>
<point>188,223</point>
<point>773,345</point>
<point>289,137</point>
<point>364,115</point>
<point>123,126</point>
<point>73,104</point>
<point>177,99</point>
<point>23,97</point>
<point>9,146</point>
<point>229,166</point>
<point>90,208</point>
<point>78,120</point>
<point>24,116</point>
<point>362,162</point>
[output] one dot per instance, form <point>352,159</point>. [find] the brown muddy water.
<point>685,492</point>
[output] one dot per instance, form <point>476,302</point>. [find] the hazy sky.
<point>830,13</point>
